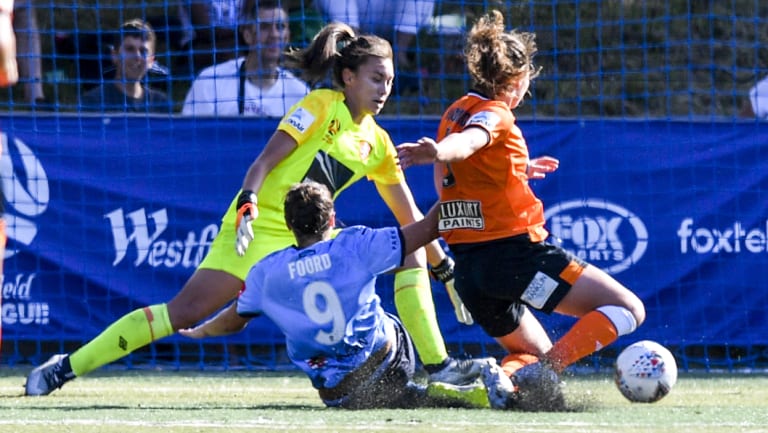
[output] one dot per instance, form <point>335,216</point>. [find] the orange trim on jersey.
<point>572,272</point>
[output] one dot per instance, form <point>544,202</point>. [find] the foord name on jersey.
<point>309,265</point>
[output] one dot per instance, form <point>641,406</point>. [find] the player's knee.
<point>624,320</point>
<point>638,310</point>
<point>186,315</point>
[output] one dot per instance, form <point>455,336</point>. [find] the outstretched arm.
<point>455,147</point>
<point>422,232</point>
<point>399,199</point>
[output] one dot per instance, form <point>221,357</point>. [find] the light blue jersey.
<point>323,298</point>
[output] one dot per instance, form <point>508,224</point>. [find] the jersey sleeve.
<point>379,250</point>
<point>307,116</point>
<point>249,301</point>
<point>495,119</point>
<point>388,171</point>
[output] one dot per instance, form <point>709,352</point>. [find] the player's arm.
<point>454,147</point>
<point>279,146</point>
<point>225,323</point>
<point>9,72</point>
<point>420,233</point>
<point>399,199</point>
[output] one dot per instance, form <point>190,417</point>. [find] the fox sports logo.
<point>600,232</point>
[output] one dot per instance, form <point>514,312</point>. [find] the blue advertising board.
<point>109,214</point>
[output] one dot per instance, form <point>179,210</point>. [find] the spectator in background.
<point>132,55</point>
<point>254,85</point>
<point>396,20</point>
<point>758,101</point>
<point>215,37</point>
<point>28,51</point>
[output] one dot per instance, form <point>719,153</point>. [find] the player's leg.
<point>525,344</point>
<point>384,379</point>
<point>489,281</point>
<point>606,311</point>
<point>204,293</point>
<point>416,309</point>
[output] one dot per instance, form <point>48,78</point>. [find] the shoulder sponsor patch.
<point>300,119</point>
<point>486,119</point>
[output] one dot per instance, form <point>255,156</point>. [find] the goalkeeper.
<point>330,136</point>
<point>322,294</point>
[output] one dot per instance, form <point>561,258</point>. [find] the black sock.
<point>66,370</point>
<point>433,368</point>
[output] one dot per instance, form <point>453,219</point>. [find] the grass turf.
<point>190,401</point>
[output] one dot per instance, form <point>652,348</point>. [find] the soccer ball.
<point>645,372</point>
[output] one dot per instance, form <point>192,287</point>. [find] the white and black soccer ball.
<point>645,372</point>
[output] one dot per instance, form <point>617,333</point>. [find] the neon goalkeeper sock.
<point>132,331</point>
<point>413,299</point>
<point>588,335</point>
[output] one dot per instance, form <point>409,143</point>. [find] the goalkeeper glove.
<point>444,273</point>
<point>246,212</point>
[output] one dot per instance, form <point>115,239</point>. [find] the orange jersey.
<point>487,196</point>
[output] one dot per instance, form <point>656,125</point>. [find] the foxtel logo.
<point>142,232</point>
<point>731,239</point>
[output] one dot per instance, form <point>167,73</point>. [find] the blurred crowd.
<point>223,56</point>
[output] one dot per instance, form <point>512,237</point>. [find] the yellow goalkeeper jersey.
<point>332,150</point>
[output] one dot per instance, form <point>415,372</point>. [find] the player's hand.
<point>423,151</point>
<point>9,72</point>
<point>539,167</point>
<point>197,332</point>
<point>444,273</point>
<point>246,213</point>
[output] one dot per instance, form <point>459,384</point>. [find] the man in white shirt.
<point>254,85</point>
<point>758,100</point>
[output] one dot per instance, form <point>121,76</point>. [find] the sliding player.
<point>322,294</point>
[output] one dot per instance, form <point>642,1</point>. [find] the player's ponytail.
<point>321,54</point>
<point>336,47</point>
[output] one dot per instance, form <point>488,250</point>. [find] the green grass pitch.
<point>140,401</point>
